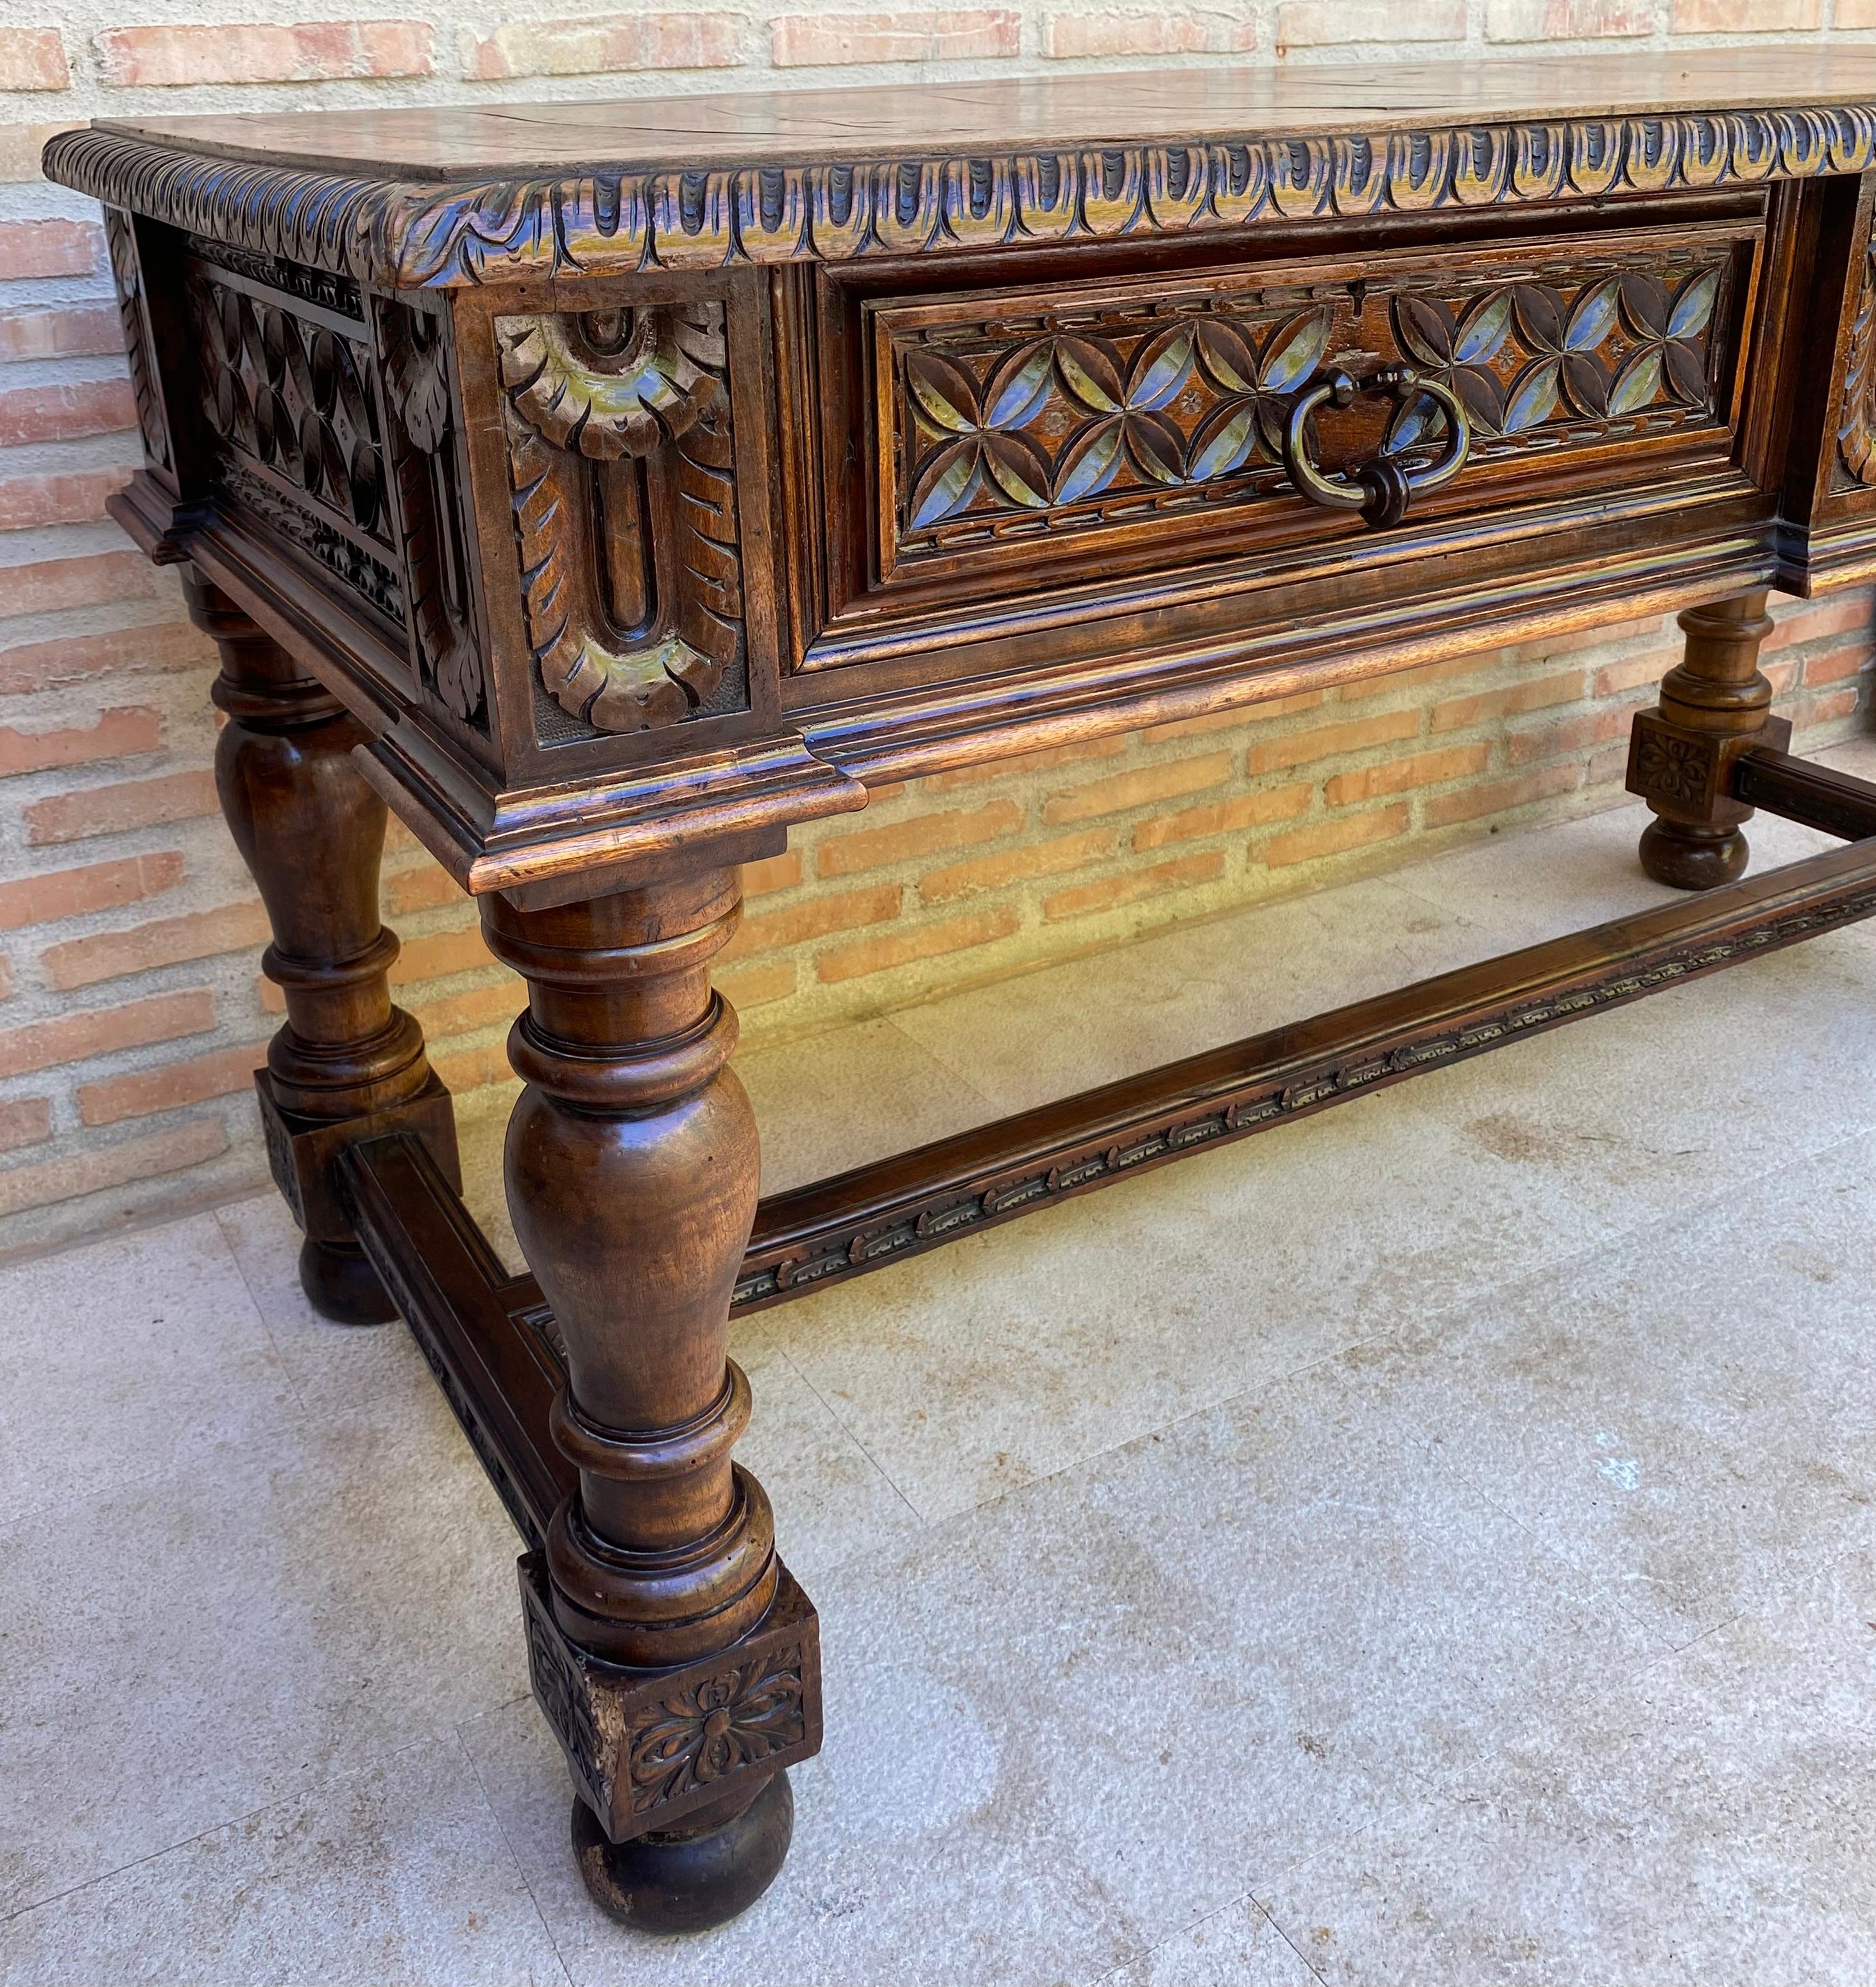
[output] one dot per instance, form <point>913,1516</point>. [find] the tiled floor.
<point>1433,1543</point>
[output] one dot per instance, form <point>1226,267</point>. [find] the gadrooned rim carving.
<point>417,234</point>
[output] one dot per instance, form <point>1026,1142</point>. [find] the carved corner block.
<point>648,1747</point>
<point>302,1151</point>
<point>1686,775</point>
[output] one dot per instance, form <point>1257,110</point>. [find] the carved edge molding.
<point>1856,432</point>
<point>410,234</point>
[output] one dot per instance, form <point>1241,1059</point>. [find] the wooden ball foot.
<point>1692,859</point>
<point>341,1285</point>
<point>684,1882</point>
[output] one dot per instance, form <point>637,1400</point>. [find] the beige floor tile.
<point>184,1647</point>
<point>1707,1821</point>
<point>1692,1415</point>
<point>1238,1947</point>
<point>120,1360</point>
<point>398,1874</point>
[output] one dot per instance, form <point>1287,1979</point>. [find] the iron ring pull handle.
<point>1380,489</point>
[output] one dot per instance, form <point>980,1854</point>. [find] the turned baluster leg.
<point>673,1654</point>
<point>1715,702</point>
<point>311,833</point>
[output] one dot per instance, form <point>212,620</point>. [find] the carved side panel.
<point>1052,422</point>
<point>139,346</point>
<point>622,468</point>
<point>426,495</point>
<point>1856,427</point>
<point>288,389</point>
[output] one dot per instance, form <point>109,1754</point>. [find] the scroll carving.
<point>1082,414</point>
<point>437,563</point>
<point>622,465</point>
<point>1855,430</point>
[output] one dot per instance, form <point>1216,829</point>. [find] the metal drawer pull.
<point>1379,489</point>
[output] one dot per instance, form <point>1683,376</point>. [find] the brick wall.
<point>130,1009</point>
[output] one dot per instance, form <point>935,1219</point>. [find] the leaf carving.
<point>1295,349</point>
<point>1644,304</point>
<point>1487,326</point>
<point>1540,316</point>
<point>1424,326</point>
<point>1228,356</point>
<point>1593,318</point>
<point>1586,382</point>
<point>1089,462</point>
<point>944,485</point>
<point>1224,439</point>
<point>945,393</point>
<point>1159,369</point>
<point>1089,369</point>
<point>1637,383</point>
<point>1156,447</point>
<point>1534,395</point>
<point>1019,468</point>
<point>1017,386</point>
<point>1686,372</point>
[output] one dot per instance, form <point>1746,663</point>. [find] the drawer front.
<point>1077,435</point>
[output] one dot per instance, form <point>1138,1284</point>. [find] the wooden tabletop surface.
<point>1184,104</point>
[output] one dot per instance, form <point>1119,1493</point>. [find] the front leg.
<point>1715,702</point>
<point>676,1659</point>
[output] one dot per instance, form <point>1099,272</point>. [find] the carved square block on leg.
<point>648,1747</point>
<point>1687,775</point>
<point>301,1151</point>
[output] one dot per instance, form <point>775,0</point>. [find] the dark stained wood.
<point>311,833</point>
<point>614,487</point>
<point>1819,796</point>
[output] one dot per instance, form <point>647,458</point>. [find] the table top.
<point>455,196</point>
<point>1188,104</point>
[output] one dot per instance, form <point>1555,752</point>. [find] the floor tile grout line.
<point>924,1523</point>
<point>319,1786</point>
<point>508,1841</point>
<point>260,1311</point>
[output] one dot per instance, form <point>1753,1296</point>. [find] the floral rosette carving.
<point>723,1725</point>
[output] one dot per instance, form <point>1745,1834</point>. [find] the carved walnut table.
<point>607,487</point>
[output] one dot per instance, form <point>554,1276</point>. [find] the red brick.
<point>1828,710</point>
<point>465,1070</point>
<point>82,962</point>
<point>100,1031</point>
<point>1834,664</point>
<point>1330,741</point>
<point>1641,671</point>
<point>21,146</point>
<point>1413,683</point>
<point>48,586</point>
<point>1139,787</point>
<point>89,811</point>
<point>1224,817</point>
<point>1809,620</point>
<point>1016,865</point>
<point>1043,761</point>
<point>1396,776</point>
<point>116,734</point>
<point>75,659</point>
<point>1501,796</point>
<point>906,948</point>
<point>1746,17</point>
<point>221,1073</point>
<point>1575,735</point>
<point>923,834</point>
<point>75,497</point>
<point>772,873</point>
<point>79,331</point>
<point>1333,838</point>
<point>1067,35</point>
<point>1108,893</point>
<point>804,41</point>
<point>1567,20</point>
<point>33,58</point>
<point>120,1164</point>
<point>308,52</point>
<point>1312,24</point>
<point>481,1007</point>
<point>63,413</point>
<point>49,248</point>
<point>604,44</point>
<point>423,888</point>
<point>26,1120</point>
<point>438,954</point>
<point>1238,719</point>
<point>825,912</point>
<point>1855,14</point>
<point>755,985</point>
<point>96,886</point>
<point>1458,712</point>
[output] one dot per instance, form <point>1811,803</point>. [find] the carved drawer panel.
<point>1127,426</point>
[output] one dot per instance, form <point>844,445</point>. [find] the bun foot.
<point>1692,859</point>
<point>687,1881</point>
<point>341,1285</point>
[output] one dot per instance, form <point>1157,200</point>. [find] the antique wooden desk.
<point>607,487</point>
